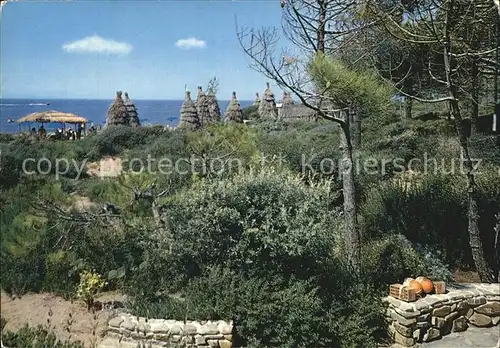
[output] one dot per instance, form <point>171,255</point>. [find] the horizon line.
<point>52,98</point>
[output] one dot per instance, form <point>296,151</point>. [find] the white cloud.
<point>97,44</point>
<point>190,42</point>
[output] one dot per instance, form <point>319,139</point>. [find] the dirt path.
<point>34,310</point>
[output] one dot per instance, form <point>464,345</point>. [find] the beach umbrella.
<point>233,111</point>
<point>189,114</point>
<point>117,112</point>
<point>267,106</point>
<point>133,116</point>
<point>53,116</point>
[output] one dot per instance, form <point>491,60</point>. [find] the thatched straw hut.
<point>117,112</point>
<point>287,99</point>
<point>133,116</point>
<point>256,101</point>
<point>233,111</point>
<point>213,108</point>
<point>267,106</point>
<point>189,114</point>
<point>202,107</point>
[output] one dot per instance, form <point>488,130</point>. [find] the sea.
<point>151,112</point>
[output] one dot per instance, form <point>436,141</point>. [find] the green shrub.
<point>251,112</point>
<point>254,223</point>
<point>39,337</point>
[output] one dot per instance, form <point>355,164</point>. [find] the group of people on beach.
<point>60,133</point>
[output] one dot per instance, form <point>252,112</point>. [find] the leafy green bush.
<point>250,112</point>
<point>253,223</point>
<point>431,210</point>
<point>39,337</point>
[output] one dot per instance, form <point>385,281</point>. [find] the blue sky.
<point>90,49</point>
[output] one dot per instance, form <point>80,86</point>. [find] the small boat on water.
<point>10,120</point>
<point>38,104</point>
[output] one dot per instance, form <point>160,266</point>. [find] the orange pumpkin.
<point>426,284</point>
<point>415,285</point>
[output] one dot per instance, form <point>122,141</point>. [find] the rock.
<point>407,314</point>
<point>190,329</point>
<point>208,329</point>
<point>402,320</point>
<point>403,330</point>
<point>480,320</point>
<point>416,334</point>
<point>424,317</point>
<point>491,309</point>
<point>441,311</point>
<point>431,335</point>
<point>438,322</point>
<point>115,322</point>
<point>213,343</point>
<point>421,304</point>
<point>450,317</point>
<point>143,328</point>
<point>175,330</point>
<point>469,313</point>
<point>453,307</point>
<point>495,321</point>
<point>455,295</point>
<point>404,341</point>
<point>224,328</point>
<point>159,327</point>
<point>476,301</point>
<point>226,344</point>
<point>492,298</point>
<point>433,300</point>
<point>199,340</point>
<point>459,324</point>
<point>127,325</point>
<point>463,307</point>
<point>423,325</point>
<point>228,337</point>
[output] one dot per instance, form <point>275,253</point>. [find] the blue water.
<point>165,112</point>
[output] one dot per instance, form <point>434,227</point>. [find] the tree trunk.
<point>321,25</point>
<point>355,127</point>
<point>352,235</point>
<point>475,95</point>
<point>408,107</point>
<point>408,103</point>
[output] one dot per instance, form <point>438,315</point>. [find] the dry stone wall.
<point>127,328</point>
<point>434,316</point>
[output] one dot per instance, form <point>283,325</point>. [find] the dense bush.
<point>431,210</point>
<point>31,337</point>
<point>253,223</point>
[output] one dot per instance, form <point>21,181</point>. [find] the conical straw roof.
<point>233,111</point>
<point>202,107</point>
<point>287,99</point>
<point>117,112</point>
<point>286,110</point>
<point>133,116</point>
<point>267,106</point>
<point>189,114</point>
<point>256,101</point>
<point>213,108</point>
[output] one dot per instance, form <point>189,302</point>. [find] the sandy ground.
<point>34,309</point>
